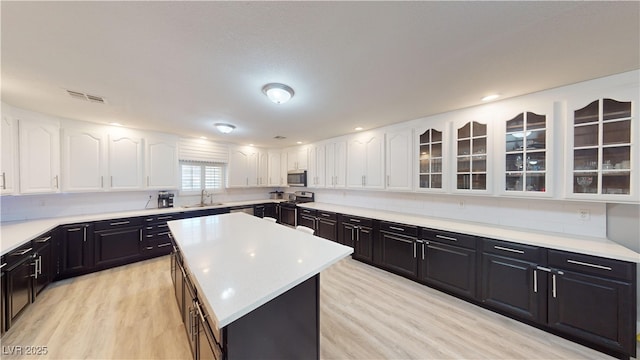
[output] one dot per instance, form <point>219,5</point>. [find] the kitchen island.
<point>250,288</point>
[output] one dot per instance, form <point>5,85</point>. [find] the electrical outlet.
<point>584,214</point>
<point>460,204</point>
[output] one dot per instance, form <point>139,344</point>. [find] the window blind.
<point>203,150</point>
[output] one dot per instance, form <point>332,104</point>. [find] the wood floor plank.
<point>130,312</point>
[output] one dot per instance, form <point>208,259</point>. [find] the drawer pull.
<point>164,233</point>
<point>326,215</point>
<point>21,252</point>
<point>74,229</point>
<point>396,228</point>
<point>542,268</point>
<point>163,245</point>
<point>354,220</point>
<point>588,264</point>
<point>43,240</point>
<point>508,249</point>
<point>3,265</point>
<point>165,217</point>
<point>446,238</point>
<point>120,223</point>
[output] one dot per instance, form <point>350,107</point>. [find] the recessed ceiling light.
<point>250,144</point>
<point>224,128</point>
<point>490,97</point>
<point>203,137</point>
<point>115,124</point>
<point>298,142</point>
<point>278,93</point>
<point>358,128</point>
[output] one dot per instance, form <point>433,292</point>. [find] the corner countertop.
<point>595,246</point>
<point>16,233</point>
<point>240,262</point>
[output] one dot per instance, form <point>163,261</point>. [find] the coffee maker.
<point>165,199</point>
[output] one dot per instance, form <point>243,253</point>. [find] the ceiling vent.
<point>278,137</point>
<point>86,97</point>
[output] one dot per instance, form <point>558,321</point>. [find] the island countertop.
<point>240,262</point>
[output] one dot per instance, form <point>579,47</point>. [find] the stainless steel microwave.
<point>297,178</point>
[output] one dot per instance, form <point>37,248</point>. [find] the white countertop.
<point>579,244</point>
<point>16,233</point>
<point>240,262</point>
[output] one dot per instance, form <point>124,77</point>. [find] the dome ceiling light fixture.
<point>278,93</point>
<point>224,128</point>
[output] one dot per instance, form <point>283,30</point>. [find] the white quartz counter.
<point>13,234</point>
<point>579,244</point>
<point>240,262</point>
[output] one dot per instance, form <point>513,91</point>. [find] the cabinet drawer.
<point>162,218</point>
<point>42,241</point>
<point>593,265</point>
<point>513,250</point>
<point>118,223</point>
<point>327,215</point>
<point>355,220</point>
<point>17,255</point>
<point>450,238</point>
<point>396,228</point>
<point>309,212</point>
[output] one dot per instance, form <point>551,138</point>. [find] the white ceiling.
<point>179,67</point>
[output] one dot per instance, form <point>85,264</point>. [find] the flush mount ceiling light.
<point>490,97</point>
<point>278,93</point>
<point>224,128</point>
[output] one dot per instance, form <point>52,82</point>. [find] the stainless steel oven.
<point>297,178</point>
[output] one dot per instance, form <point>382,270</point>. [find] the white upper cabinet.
<point>365,161</point>
<point>399,155</point>
<point>247,167</point>
<point>277,168</point>
<point>432,157</point>
<point>602,156</point>
<point>336,164</point>
<point>83,160</point>
<point>39,156</point>
<point>125,161</point>
<point>297,158</point>
<point>472,144</point>
<point>161,165</point>
<point>316,166</point>
<point>9,160</point>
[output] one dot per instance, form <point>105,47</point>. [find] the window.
<point>196,176</point>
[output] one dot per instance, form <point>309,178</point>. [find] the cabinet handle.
<point>165,217</point>
<point>43,240</point>
<point>190,322</point>
<point>446,238</point>
<point>74,229</point>
<point>588,264</point>
<point>535,281</point>
<point>3,265</point>
<point>553,287</point>
<point>4,181</point>
<point>414,249</point>
<point>101,181</point>
<point>147,180</point>
<point>423,245</point>
<point>111,181</point>
<point>40,264</point>
<point>119,223</point>
<point>396,228</point>
<point>57,182</point>
<point>164,233</point>
<point>85,234</point>
<point>508,249</point>
<point>163,245</point>
<point>140,235</point>
<point>21,252</point>
<point>357,235</point>
<point>35,270</point>
<point>354,220</point>
<point>326,215</point>
<point>388,182</point>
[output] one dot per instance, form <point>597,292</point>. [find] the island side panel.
<point>287,327</point>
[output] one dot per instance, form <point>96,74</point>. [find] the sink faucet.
<point>203,193</point>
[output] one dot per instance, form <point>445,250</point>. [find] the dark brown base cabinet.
<point>399,249</point>
<point>76,250</point>
<point>19,270</point>
<point>327,225</point>
<point>44,270</point>
<point>3,292</point>
<point>117,241</point>
<point>358,233</point>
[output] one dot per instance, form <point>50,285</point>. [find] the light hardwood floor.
<point>366,313</point>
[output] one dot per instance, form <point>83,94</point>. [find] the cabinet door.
<point>472,163</point>
<point>327,229</point>
<point>39,157</point>
<point>9,157</point>
<point>374,172</point>
<point>125,162</point>
<point>275,177</point>
<point>336,160</point>
<point>593,308</point>
<point>308,221</point>
<point>238,167</point>
<point>317,166</point>
<point>399,160</point>
<point>161,164</point>
<point>76,249</point>
<point>263,168</point>
<point>43,272</point>
<point>432,158</point>
<point>364,244</point>
<point>253,165</point>
<point>356,160</point>
<point>303,160</point>
<point>450,267</point>
<point>117,246</point>
<point>19,289</point>
<point>399,254</point>
<point>347,234</point>
<point>514,286</point>
<point>83,160</point>
<point>3,303</point>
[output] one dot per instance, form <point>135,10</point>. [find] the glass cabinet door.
<point>471,157</point>
<point>526,153</point>
<point>602,148</point>
<point>430,160</point>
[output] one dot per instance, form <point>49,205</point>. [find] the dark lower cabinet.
<point>595,304</point>
<point>327,228</point>
<point>287,215</point>
<point>307,217</point>
<point>399,253</point>
<point>117,242</point>
<point>449,267</point>
<point>358,233</point>
<point>3,296</point>
<point>19,286</point>
<point>207,346</point>
<point>156,235</point>
<point>43,264</point>
<point>76,249</point>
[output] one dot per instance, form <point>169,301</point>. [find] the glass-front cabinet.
<point>602,154</point>
<point>430,156</point>
<point>526,154</point>
<point>471,157</point>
